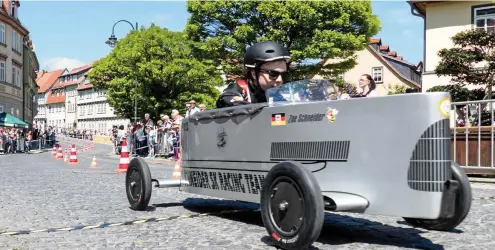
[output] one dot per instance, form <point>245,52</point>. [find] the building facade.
<point>444,19</point>
<point>45,80</point>
<point>30,67</point>
<point>93,110</point>
<point>387,68</point>
<point>67,100</point>
<point>12,38</point>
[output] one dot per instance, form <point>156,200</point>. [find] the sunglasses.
<point>273,74</point>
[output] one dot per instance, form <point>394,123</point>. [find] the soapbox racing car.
<point>306,152</point>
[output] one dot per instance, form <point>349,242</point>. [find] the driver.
<point>264,63</point>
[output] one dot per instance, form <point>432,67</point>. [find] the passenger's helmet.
<point>263,52</point>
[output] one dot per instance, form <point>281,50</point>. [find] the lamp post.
<point>112,40</point>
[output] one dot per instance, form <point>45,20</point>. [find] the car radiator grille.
<point>310,150</point>
<point>430,164</point>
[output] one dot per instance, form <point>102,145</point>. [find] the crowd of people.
<point>148,138</point>
<point>22,140</point>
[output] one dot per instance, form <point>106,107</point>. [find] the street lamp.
<point>112,40</point>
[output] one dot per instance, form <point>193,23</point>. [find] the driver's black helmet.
<point>263,52</point>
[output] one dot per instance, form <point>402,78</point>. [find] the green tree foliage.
<point>471,48</point>
<point>166,72</point>
<point>312,30</point>
<point>459,93</point>
<point>396,89</point>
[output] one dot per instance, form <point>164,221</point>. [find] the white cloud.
<point>61,63</point>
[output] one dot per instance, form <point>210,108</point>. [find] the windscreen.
<point>302,91</point>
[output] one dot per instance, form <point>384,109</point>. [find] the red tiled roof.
<point>375,40</point>
<point>85,86</point>
<point>384,48</point>
<point>54,98</point>
<point>383,52</point>
<point>45,79</point>
<point>82,68</point>
<point>62,84</point>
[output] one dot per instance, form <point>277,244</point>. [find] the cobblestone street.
<point>40,192</point>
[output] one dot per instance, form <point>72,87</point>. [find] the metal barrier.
<point>477,117</point>
<point>22,145</point>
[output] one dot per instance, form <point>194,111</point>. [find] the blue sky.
<point>73,33</point>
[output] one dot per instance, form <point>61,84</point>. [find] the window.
<point>1,108</point>
<point>16,41</point>
<point>2,71</point>
<point>484,18</point>
<point>16,76</point>
<point>377,74</point>
<point>3,30</point>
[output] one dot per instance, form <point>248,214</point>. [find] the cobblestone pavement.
<point>39,192</point>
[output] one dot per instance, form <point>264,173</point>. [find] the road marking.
<point>133,222</point>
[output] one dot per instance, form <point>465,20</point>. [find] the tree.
<point>396,89</point>
<point>162,64</point>
<point>312,30</point>
<point>459,93</point>
<point>471,48</point>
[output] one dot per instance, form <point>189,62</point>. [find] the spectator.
<point>147,121</point>
<point>367,85</point>
<point>202,107</point>
<point>176,117</point>
<point>191,108</point>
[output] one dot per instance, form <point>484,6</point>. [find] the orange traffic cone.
<point>124,158</point>
<point>177,170</point>
<point>73,156</point>
<point>66,152</point>
<point>54,151</point>
<point>60,155</point>
<point>93,163</point>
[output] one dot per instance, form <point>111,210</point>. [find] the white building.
<point>55,106</point>
<point>93,109</point>
<point>45,80</point>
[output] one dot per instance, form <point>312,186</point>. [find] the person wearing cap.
<point>264,65</point>
<point>191,108</point>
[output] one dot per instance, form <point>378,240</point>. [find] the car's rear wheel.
<point>463,201</point>
<point>292,206</point>
<point>138,184</point>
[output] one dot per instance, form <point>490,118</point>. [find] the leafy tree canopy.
<point>472,48</point>
<point>459,93</point>
<point>167,74</point>
<point>312,30</point>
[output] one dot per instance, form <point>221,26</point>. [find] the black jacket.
<point>233,90</point>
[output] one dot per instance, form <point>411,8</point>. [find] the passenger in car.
<point>264,64</point>
<point>367,85</point>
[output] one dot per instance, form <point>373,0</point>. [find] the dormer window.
<point>13,8</point>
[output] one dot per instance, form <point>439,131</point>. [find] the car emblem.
<point>222,139</point>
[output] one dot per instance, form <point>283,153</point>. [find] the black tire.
<point>138,184</point>
<point>303,199</point>
<point>464,198</point>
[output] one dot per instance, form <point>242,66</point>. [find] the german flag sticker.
<point>278,119</point>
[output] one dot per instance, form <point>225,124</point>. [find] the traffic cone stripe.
<point>125,161</point>
<point>124,158</point>
<point>73,155</point>
<point>177,170</point>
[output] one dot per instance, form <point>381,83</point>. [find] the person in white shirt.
<point>191,108</point>
<point>367,85</point>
